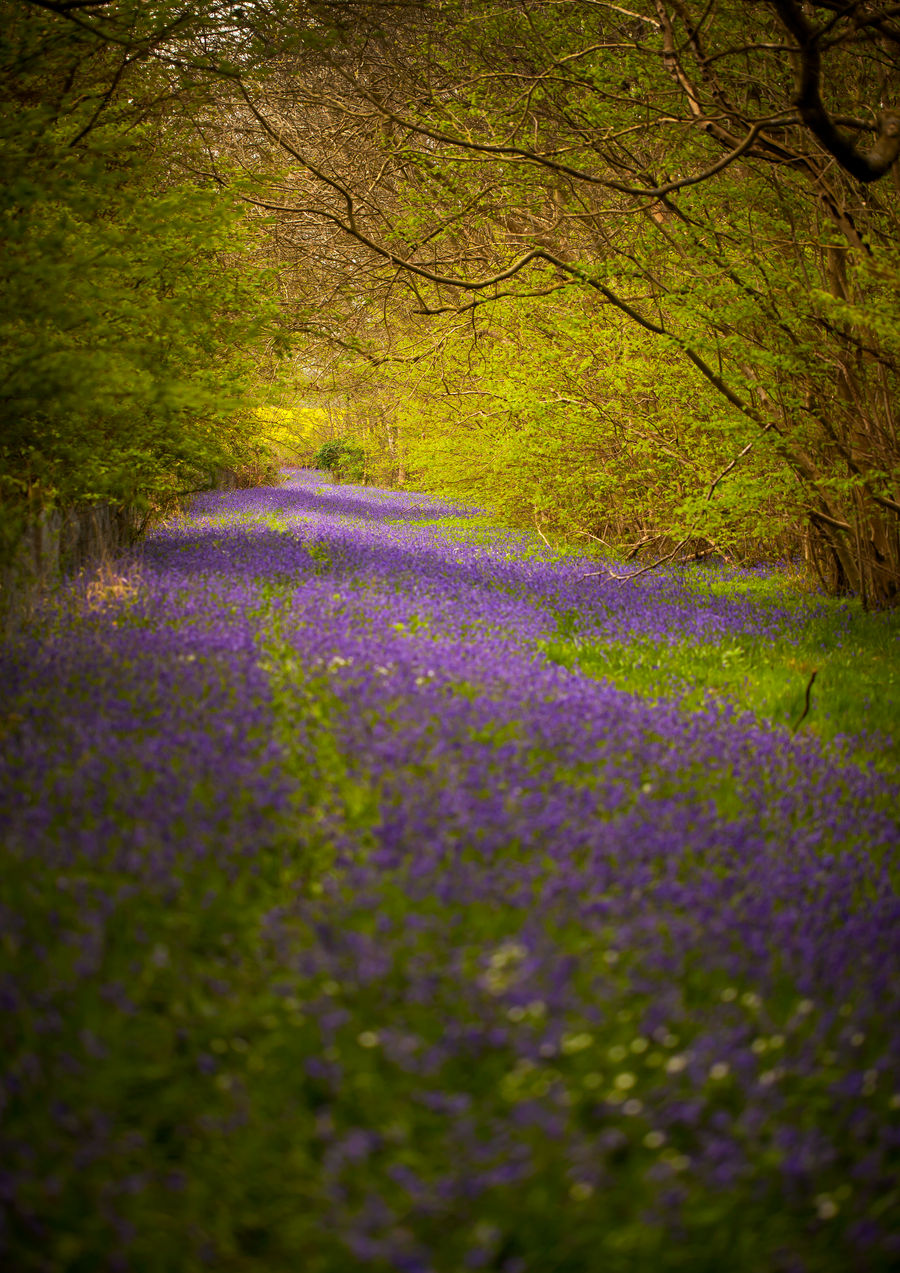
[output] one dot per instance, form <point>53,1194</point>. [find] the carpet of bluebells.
<point>341,930</point>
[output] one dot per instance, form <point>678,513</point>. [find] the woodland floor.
<point>381,892</point>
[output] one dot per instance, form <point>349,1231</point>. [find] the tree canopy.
<point>627,270</point>
<point>134,304</point>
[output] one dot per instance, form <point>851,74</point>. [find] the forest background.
<point>627,274</point>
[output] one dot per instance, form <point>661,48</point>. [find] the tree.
<point>719,176</point>
<point>133,298</point>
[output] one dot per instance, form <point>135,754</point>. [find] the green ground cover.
<point>854,697</point>
<point>344,931</point>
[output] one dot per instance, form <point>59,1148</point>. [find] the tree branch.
<point>866,166</point>
<point>611,574</point>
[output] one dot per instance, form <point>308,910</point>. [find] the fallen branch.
<point>634,574</point>
<point>805,712</point>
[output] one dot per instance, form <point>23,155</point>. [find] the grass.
<point>854,696</point>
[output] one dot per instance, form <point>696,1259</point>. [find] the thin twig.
<point>634,574</point>
<point>727,469</point>
<point>537,527</point>
<point>642,543</point>
<point>805,712</point>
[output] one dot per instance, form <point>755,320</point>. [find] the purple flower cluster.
<point>350,932</point>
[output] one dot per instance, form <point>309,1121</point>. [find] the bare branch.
<point>545,159</point>
<point>635,574</point>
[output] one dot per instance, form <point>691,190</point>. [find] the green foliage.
<point>292,433</point>
<point>733,382</point>
<point>344,458</point>
<point>120,333</point>
<point>586,427</point>
<point>131,302</point>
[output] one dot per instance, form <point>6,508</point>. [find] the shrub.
<point>346,460</point>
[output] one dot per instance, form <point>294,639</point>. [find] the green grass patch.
<point>854,697</point>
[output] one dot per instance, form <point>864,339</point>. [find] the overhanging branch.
<point>866,166</point>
